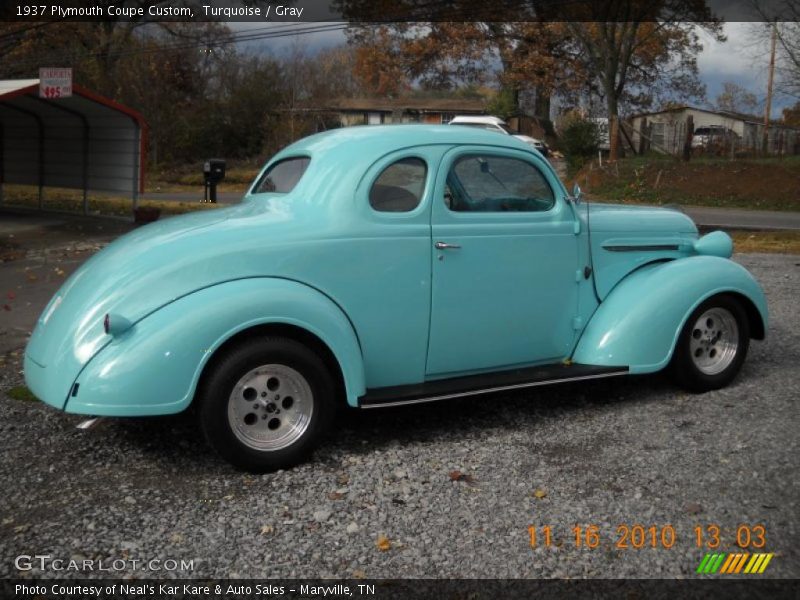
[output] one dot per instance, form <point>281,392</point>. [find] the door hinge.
<point>577,323</point>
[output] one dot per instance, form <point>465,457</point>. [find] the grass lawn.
<point>58,199</point>
<point>758,184</point>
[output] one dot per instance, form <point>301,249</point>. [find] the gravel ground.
<point>619,451</point>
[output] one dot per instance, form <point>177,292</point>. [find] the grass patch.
<point>21,392</point>
<point>72,201</point>
<point>773,242</point>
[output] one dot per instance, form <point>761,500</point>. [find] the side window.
<point>400,186</point>
<point>487,183</point>
<point>283,176</point>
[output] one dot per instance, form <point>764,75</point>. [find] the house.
<point>665,130</point>
<point>345,112</point>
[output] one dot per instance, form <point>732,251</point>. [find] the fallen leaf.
<point>32,277</point>
<point>21,528</point>
<point>693,508</point>
<point>343,479</point>
<point>267,529</point>
<point>540,494</point>
<point>6,307</point>
<point>459,476</point>
<point>335,496</point>
<point>11,295</point>
<point>383,543</point>
<point>359,574</point>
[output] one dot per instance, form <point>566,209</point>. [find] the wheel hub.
<point>270,407</point>
<point>714,341</point>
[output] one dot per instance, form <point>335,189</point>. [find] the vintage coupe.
<point>387,265</point>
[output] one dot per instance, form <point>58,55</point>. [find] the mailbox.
<point>214,170</point>
<point>213,173</point>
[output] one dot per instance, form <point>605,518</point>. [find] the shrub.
<point>579,139</point>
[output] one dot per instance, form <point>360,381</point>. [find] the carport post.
<point>2,161</point>
<point>85,123</point>
<point>136,151</point>
<point>41,163</point>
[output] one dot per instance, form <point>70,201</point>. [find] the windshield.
<point>281,177</point>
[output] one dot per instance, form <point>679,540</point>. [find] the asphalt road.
<point>443,490</point>
<point>706,217</point>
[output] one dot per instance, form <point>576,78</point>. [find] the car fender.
<point>154,367</point>
<point>638,323</point>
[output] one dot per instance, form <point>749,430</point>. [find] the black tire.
<point>243,414</point>
<point>700,363</point>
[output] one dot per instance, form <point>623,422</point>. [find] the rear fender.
<point>638,323</point>
<point>154,367</point>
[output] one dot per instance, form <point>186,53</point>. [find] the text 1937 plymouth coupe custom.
<point>377,266</point>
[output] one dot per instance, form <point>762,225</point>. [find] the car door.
<point>505,256</point>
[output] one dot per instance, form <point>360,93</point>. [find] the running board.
<point>471,385</point>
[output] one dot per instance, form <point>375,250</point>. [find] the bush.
<point>579,139</point>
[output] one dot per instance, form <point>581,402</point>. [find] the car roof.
<point>372,141</point>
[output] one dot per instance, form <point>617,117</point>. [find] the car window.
<point>282,176</point>
<point>486,183</point>
<point>400,186</point>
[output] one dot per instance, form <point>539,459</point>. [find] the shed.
<point>84,141</point>
<point>667,129</point>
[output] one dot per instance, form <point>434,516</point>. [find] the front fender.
<point>638,323</point>
<point>154,367</point>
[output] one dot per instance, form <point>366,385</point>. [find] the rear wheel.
<point>265,404</point>
<point>712,346</point>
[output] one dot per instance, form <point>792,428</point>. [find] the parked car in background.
<point>714,136</point>
<point>382,266</point>
<point>499,125</point>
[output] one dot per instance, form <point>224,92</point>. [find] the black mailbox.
<point>213,173</point>
<point>214,170</point>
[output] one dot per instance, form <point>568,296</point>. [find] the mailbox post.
<point>213,173</point>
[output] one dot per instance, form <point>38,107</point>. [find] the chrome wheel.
<point>714,341</point>
<point>270,407</point>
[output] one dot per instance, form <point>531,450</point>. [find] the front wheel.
<point>712,345</point>
<point>265,404</point>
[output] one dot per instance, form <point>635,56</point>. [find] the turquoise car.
<point>381,266</point>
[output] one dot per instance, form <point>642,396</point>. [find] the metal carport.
<point>84,141</point>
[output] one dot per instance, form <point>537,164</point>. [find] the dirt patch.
<point>769,184</point>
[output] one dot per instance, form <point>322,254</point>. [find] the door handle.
<point>445,246</point>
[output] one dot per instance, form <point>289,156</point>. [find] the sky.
<point>741,59</point>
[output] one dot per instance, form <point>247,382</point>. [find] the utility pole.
<point>768,109</point>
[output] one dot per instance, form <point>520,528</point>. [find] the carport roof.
<point>85,141</point>
<point>81,97</point>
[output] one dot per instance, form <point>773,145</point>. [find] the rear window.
<point>282,176</point>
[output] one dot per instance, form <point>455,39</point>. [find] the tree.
<point>630,52</point>
<point>627,52</point>
<point>735,98</point>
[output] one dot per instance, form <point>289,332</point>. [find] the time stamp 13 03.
<point>635,536</point>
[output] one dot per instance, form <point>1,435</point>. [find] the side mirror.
<point>576,193</point>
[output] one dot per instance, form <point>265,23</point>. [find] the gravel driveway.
<point>443,490</point>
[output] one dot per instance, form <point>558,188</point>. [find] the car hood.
<point>528,139</point>
<point>624,237</point>
<point>151,267</point>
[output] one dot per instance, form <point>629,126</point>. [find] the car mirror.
<point>576,193</point>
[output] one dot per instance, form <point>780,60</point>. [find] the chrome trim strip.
<point>642,248</point>
<point>489,390</point>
